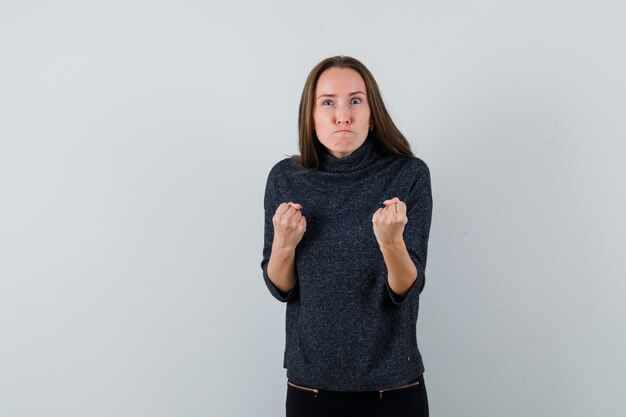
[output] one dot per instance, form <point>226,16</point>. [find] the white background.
<point>135,141</point>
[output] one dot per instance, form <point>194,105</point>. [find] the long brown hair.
<point>388,139</point>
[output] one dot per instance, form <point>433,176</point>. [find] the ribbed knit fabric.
<point>346,330</point>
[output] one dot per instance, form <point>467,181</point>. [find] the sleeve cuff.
<point>414,291</point>
<point>280,295</point>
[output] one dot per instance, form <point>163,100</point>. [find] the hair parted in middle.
<point>388,140</point>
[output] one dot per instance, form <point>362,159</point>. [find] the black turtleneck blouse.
<point>346,330</point>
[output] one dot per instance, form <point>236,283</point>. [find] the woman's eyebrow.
<point>335,95</point>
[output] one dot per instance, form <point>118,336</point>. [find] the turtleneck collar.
<point>361,158</point>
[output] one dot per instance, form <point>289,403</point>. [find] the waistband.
<point>379,393</point>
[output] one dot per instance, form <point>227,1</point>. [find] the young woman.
<point>346,238</point>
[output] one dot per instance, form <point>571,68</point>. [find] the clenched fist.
<point>389,222</point>
<point>289,226</point>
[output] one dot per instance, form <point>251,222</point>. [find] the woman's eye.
<point>327,102</point>
<point>355,101</point>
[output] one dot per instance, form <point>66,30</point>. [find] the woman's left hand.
<point>389,223</point>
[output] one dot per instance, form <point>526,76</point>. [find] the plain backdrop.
<point>135,142</point>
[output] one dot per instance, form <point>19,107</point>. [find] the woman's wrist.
<point>282,248</point>
<point>393,246</point>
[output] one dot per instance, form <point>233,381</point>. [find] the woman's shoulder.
<point>283,169</point>
<point>285,165</point>
<point>413,164</point>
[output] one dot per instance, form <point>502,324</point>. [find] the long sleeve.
<point>270,204</point>
<point>419,212</point>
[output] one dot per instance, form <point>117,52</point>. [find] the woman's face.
<point>341,112</point>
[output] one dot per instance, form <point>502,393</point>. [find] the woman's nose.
<point>342,115</point>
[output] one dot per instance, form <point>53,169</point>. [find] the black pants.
<point>404,402</point>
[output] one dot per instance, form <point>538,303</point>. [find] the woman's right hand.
<point>289,226</point>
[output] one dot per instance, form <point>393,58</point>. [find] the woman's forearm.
<point>281,268</point>
<point>401,271</point>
